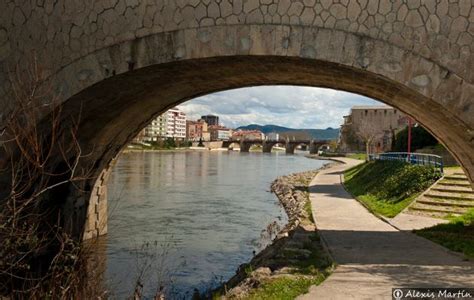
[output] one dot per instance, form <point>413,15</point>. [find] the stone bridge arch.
<point>245,145</point>
<point>123,62</point>
<point>233,145</point>
<point>291,146</point>
<point>316,145</point>
<point>267,146</point>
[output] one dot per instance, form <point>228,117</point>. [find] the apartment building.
<point>220,133</point>
<point>175,124</point>
<point>171,124</point>
<point>197,131</point>
<point>211,120</point>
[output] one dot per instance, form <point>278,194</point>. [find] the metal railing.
<point>412,158</point>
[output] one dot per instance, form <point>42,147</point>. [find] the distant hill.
<point>321,134</point>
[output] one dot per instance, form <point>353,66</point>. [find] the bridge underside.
<point>132,99</point>
<point>115,65</point>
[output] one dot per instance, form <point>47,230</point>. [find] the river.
<point>187,220</point>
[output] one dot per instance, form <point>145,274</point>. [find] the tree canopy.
<point>420,138</point>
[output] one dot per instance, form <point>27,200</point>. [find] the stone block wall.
<point>97,215</point>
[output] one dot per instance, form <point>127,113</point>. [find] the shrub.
<point>420,138</point>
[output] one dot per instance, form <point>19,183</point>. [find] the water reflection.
<point>200,214</point>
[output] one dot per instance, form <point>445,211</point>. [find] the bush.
<point>168,143</point>
<point>331,154</point>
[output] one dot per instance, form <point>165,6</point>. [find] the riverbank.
<point>295,260</point>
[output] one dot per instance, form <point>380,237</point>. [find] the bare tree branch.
<point>368,131</point>
<point>44,153</point>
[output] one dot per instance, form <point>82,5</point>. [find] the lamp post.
<point>410,121</point>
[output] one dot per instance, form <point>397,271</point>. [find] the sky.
<point>289,106</point>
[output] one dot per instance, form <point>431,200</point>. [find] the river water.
<point>186,220</point>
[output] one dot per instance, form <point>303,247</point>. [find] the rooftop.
<point>218,127</point>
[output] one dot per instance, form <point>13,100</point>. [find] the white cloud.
<point>290,106</point>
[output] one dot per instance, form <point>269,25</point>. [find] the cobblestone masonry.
<point>124,61</point>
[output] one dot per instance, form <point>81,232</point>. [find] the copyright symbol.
<point>397,294</point>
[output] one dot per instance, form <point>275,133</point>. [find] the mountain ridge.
<point>323,134</point>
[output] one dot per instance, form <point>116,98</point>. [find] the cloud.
<point>290,106</point>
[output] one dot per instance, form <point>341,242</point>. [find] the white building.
<point>156,129</point>
<point>175,124</point>
<point>273,136</point>
<point>223,135</point>
<point>171,124</point>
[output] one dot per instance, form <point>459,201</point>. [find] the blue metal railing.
<point>412,158</point>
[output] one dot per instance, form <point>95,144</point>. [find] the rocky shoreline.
<point>296,254</point>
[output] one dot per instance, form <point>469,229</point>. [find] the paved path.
<point>406,221</point>
<point>373,256</point>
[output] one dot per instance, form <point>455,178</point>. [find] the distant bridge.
<point>267,145</point>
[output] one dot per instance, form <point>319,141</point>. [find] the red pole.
<point>409,138</point>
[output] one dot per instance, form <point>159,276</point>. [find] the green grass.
<point>387,187</point>
<point>453,169</point>
<point>285,288</point>
<point>309,210</point>
<point>318,262</point>
<point>359,156</point>
<point>385,208</point>
<point>307,272</point>
<point>302,273</point>
<point>457,235</point>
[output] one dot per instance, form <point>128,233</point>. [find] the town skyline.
<point>317,108</point>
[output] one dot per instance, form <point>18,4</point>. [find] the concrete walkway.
<point>409,222</point>
<point>372,256</point>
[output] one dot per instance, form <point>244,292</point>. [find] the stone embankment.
<point>292,192</point>
<point>295,254</point>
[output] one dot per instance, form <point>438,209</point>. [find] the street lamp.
<point>410,122</point>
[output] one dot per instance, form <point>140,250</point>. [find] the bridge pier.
<point>313,148</point>
<point>290,148</point>
<point>96,219</point>
<point>267,147</point>
<point>245,147</point>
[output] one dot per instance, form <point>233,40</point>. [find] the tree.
<point>420,138</point>
<point>367,132</point>
<point>41,159</point>
<point>349,140</point>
